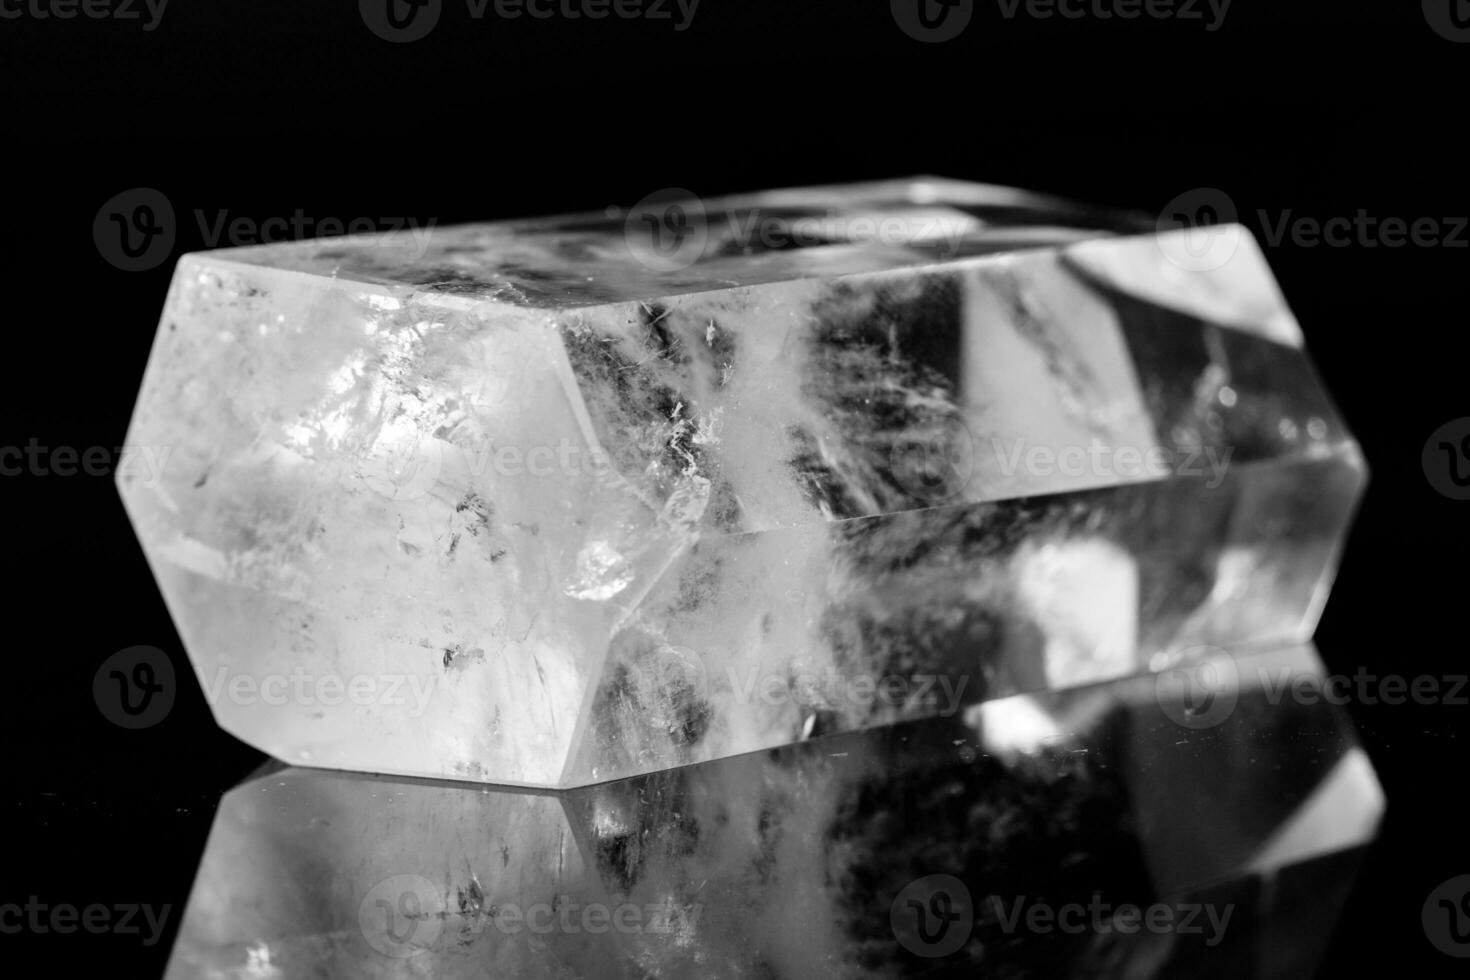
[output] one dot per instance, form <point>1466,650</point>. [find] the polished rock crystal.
<point>545,503</point>
<point>1237,832</point>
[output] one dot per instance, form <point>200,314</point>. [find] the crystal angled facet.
<point>544,503</point>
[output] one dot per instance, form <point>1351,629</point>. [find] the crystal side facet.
<point>506,504</point>
<point>956,605</point>
<point>796,862</point>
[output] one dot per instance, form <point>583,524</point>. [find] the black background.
<point>263,108</point>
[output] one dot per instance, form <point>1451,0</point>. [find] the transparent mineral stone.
<point>1234,843</point>
<point>534,503</point>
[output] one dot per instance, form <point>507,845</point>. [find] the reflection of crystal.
<point>800,862</point>
<point>538,513</point>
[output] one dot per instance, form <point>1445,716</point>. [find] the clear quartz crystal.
<point>1236,838</point>
<point>528,503</point>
